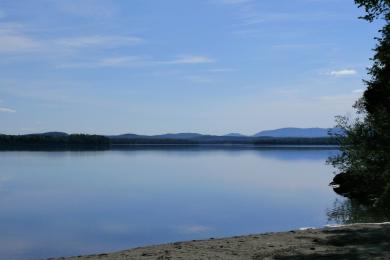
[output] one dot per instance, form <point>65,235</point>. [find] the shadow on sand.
<point>359,243</point>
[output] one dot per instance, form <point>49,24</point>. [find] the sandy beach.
<point>358,241</point>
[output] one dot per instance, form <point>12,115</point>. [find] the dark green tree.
<point>364,162</point>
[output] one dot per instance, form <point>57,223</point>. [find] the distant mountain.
<point>52,134</point>
<point>279,133</point>
<point>178,136</point>
<point>276,133</point>
<point>298,132</point>
<point>235,135</point>
<point>126,136</point>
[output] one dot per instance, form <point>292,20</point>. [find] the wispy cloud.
<point>250,14</point>
<point>15,39</point>
<point>12,39</point>
<point>343,72</point>
<point>136,61</point>
<point>6,110</point>
<point>121,61</point>
<point>118,61</point>
<point>17,43</point>
<point>190,59</point>
<point>98,40</point>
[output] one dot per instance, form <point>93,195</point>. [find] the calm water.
<point>71,203</point>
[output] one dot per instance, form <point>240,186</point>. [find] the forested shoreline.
<point>61,141</point>
<point>83,140</point>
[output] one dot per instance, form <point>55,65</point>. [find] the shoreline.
<point>114,147</point>
<point>354,241</point>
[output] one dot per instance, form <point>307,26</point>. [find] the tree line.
<point>53,141</point>
<point>103,141</point>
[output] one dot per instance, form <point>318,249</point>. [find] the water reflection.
<point>347,211</point>
<point>61,203</point>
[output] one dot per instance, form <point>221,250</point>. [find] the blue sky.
<point>151,66</point>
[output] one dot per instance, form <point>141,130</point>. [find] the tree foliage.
<point>364,161</point>
<point>374,8</point>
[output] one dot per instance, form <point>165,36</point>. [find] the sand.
<point>358,241</point>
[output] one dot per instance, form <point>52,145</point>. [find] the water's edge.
<point>355,241</point>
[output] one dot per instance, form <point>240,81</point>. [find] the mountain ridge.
<point>280,132</point>
<point>293,132</point>
<point>298,132</point>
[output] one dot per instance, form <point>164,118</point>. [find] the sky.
<point>153,66</point>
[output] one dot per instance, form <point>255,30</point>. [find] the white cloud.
<point>343,72</point>
<point>190,59</point>
<point>6,110</point>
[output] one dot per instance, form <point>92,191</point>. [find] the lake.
<point>62,203</point>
